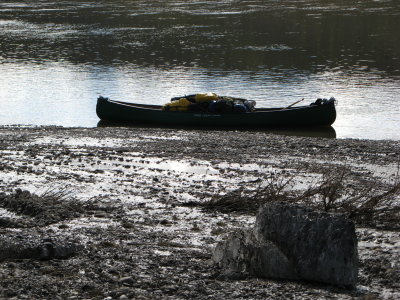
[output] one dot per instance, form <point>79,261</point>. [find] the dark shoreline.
<point>136,238</point>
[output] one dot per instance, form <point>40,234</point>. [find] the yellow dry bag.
<point>205,97</point>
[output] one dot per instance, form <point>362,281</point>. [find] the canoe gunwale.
<point>159,108</point>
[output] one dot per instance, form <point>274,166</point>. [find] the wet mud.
<point>102,213</point>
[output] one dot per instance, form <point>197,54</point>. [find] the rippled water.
<point>58,56</point>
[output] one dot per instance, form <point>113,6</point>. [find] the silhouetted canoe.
<point>317,114</point>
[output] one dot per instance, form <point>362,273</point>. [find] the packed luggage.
<point>210,102</point>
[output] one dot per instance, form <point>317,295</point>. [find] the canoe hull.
<point>313,115</point>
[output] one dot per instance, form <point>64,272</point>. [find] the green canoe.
<point>321,113</point>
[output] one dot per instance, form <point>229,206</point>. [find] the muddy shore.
<point>119,226</point>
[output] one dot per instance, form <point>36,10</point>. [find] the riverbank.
<point>134,234</point>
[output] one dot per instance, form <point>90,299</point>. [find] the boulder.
<point>30,247</point>
<point>292,242</point>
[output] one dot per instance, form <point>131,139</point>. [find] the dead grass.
<point>51,206</point>
<point>368,205</point>
<point>245,200</point>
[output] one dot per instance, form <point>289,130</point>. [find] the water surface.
<point>57,57</point>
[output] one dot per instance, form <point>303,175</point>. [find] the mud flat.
<point>102,213</point>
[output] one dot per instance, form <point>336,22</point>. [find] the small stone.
<point>127,281</point>
<point>100,214</point>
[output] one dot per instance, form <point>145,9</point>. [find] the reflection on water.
<point>323,131</point>
<point>58,56</point>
